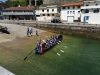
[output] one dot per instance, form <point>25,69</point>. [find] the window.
<point>42,10</point>
<point>86,11</point>
<point>87,5</point>
<point>63,7</point>
<point>73,7</point>
<point>47,10</point>
<point>68,7</point>
<point>52,14</point>
<point>48,14</point>
<point>78,6</point>
<point>52,9</point>
<point>43,14</point>
<point>70,12</point>
<point>73,12</point>
<point>37,15</point>
<point>78,12</point>
<point>96,4</point>
<point>67,12</point>
<point>96,11</point>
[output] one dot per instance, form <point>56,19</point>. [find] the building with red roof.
<point>70,12</point>
<point>19,13</point>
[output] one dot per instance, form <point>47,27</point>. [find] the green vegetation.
<point>39,2</point>
<point>12,3</point>
<point>81,57</point>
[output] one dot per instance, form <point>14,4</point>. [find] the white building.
<point>47,13</point>
<point>37,12</point>
<point>71,12</point>
<point>90,12</point>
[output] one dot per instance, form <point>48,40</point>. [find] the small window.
<point>96,11</point>
<point>96,4</point>
<point>47,10</point>
<point>78,6</point>
<point>43,14</point>
<point>52,14</point>
<point>63,8</point>
<point>68,7</point>
<point>52,9</point>
<point>73,12</point>
<point>48,14</point>
<point>78,12</point>
<point>70,12</point>
<point>87,5</point>
<point>73,7</point>
<point>37,15</point>
<point>86,11</point>
<point>42,10</point>
<point>67,12</point>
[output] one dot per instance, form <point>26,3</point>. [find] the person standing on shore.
<point>36,32</point>
<point>28,31</point>
<point>31,32</point>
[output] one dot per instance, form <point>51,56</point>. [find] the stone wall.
<point>87,32</point>
<point>92,31</point>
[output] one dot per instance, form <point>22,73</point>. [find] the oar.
<point>57,53</point>
<point>27,55</point>
<point>59,49</point>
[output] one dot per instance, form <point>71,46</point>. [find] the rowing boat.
<point>45,49</point>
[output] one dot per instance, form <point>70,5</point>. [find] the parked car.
<point>55,21</point>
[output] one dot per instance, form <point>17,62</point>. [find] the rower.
<point>51,42</point>
<point>47,43</point>
<point>37,45</point>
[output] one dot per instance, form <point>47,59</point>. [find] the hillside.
<point>58,2</point>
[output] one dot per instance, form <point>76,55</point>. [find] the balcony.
<point>18,13</point>
<point>90,7</point>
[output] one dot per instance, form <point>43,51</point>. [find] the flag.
<point>41,51</point>
<point>40,42</point>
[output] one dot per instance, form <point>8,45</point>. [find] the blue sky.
<point>3,0</point>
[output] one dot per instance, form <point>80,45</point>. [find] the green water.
<point>81,56</point>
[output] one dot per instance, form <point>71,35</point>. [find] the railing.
<point>90,7</point>
<point>17,13</point>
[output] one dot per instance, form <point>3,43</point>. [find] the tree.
<point>39,2</point>
<point>12,3</point>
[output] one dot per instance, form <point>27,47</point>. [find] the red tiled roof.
<point>74,4</point>
<point>20,8</point>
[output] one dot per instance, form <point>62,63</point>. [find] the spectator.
<point>31,31</point>
<point>28,31</point>
<point>36,32</point>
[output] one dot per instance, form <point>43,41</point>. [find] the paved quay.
<point>15,31</point>
<point>4,71</point>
